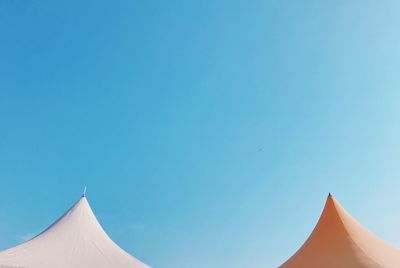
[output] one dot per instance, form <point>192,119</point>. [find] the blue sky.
<point>209,133</point>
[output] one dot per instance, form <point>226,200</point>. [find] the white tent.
<point>339,240</point>
<point>76,240</point>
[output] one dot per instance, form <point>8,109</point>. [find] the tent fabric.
<point>338,240</point>
<point>75,240</point>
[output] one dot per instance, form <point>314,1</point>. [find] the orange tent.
<point>339,241</point>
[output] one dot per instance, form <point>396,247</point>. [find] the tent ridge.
<point>350,236</point>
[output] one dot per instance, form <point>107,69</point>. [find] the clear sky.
<point>209,133</point>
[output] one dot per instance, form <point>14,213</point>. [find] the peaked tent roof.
<point>75,240</point>
<point>338,240</point>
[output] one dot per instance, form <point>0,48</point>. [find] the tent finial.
<point>84,192</point>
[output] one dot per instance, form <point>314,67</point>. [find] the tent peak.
<point>75,240</point>
<point>339,240</point>
<point>330,198</point>
<point>84,192</point>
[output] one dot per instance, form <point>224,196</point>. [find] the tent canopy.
<point>75,240</point>
<point>338,240</point>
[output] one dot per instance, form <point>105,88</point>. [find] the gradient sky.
<point>209,133</point>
